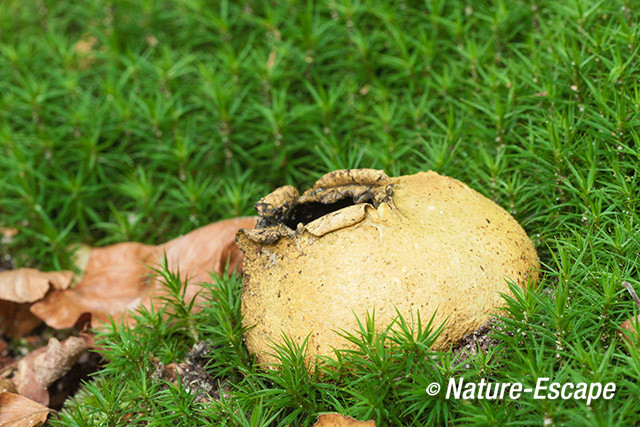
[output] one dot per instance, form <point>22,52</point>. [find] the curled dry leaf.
<point>205,250</point>
<point>16,320</point>
<point>151,40</point>
<point>80,254</point>
<point>21,287</point>
<point>7,234</point>
<point>7,386</point>
<point>29,284</point>
<point>338,420</point>
<point>118,278</point>
<point>628,330</point>
<point>114,280</point>
<point>16,410</point>
<point>27,385</point>
<point>42,367</point>
<point>85,49</point>
<point>85,45</point>
<point>6,358</point>
<point>59,357</point>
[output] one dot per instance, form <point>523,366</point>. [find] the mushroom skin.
<point>360,241</point>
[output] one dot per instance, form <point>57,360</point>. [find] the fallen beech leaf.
<point>151,40</point>
<point>113,281</point>
<point>16,410</point>
<point>83,324</point>
<point>338,420</point>
<point>85,49</point>
<point>16,320</point>
<point>80,254</point>
<point>18,289</point>
<point>205,250</point>
<point>5,357</point>
<point>627,325</point>
<point>40,368</point>
<point>117,277</point>
<point>29,284</point>
<point>59,357</point>
<point>7,386</point>
<point>27,385</point>
<point>7,234</point>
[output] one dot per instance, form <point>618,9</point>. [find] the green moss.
<point>182,113</point>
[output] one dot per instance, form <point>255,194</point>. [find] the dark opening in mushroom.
<point>306,212</point>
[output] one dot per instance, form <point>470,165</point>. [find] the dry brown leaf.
<point>113,281</point>
<point>59,357</point>
<point>29,285</point>
<point>85,45</point>
<point>17,411</point>
<point>151,40</point>
<point>18,289</point>
<point>7,386</point>
<point>7,234</point>
<point>628,331</point>
<point>27,385</point>
<point>43,366</point>
<point>16,320</point>
<point>85,49</point>
<point>117,277</point>
<point>80,256</point>
<point>205,250</point>
<point>6,358</point>
<point>338,420</point>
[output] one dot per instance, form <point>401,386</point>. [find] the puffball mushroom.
<point>360,240</point>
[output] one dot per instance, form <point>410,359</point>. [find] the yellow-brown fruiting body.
<point>422,242</point>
